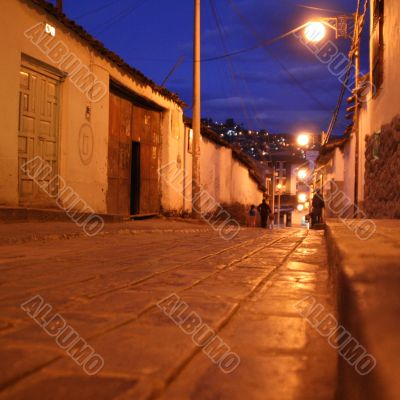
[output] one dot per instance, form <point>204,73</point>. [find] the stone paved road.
<point>106,288</point>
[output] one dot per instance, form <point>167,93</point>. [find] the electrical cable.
<point>229,63</point>
<point>123,14</point>
<point>255,34</point>
<point>248,107</point>
<point>354,46</point>
<point>328,10</point>
<point>95,10</point>
<point>261,45</point>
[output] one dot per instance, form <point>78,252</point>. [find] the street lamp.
<point>303,139</point>
<point>315,31</point>
<point>302,174</point>
<point>302,197</point>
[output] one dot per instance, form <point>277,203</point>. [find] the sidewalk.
<point>367,275</point>
<point>21,232</point>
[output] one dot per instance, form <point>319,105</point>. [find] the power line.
<point>230,67</point>
<point>262,44</point>
<point>95,10</point>
<point>123,14</point>
<point>256,35</point>
<point>339,102</point>
<point>247,107</point>
<point>174,68</point>
<point>328,10</point>
<point>354,45</point>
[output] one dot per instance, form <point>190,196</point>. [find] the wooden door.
<point>133,157</point>
<point>37,133</point>
<point>119,156</point>
<point>146,125</point>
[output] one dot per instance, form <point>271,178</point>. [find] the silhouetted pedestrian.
<point>318,205</point>
<point>264,211</point>
<point>252,216</point>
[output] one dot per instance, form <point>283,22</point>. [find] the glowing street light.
<point>302,174</point>
<point>300,207</point>
<point>302,197</point>
<point>303,139</point>
<point>315,31</point>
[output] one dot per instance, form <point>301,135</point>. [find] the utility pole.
<point>59,6</point>
<point>357,111</point>
<point>273,192</point>
<point>196,206</point>
<point>279,208</point>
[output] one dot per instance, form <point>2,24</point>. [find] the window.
<point>282,168</point>
<point>377,45</point>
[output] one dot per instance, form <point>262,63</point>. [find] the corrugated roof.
<point>100,48</point>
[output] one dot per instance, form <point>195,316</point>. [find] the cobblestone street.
<point>107,288</point>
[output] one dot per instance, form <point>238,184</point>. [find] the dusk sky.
<point>281,88</point>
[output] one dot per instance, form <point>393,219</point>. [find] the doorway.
<point>38,132</point>
<point>135,179</point>
<point>133,155</point>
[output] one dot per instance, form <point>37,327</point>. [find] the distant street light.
<point>302,174</point>
<point>315,31</point>
<point>303,139</point>
<point>302,197</point>
<point>300,207</point>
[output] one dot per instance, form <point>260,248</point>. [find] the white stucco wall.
<point>336,166</point>
<point>244,189</point>
<point>348,168</point>
<point>174,163</point>
<point>225,178</point>
<point>216,170</point>
<point>89,180</point>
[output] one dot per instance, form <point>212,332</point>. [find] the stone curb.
<point>357,319</point>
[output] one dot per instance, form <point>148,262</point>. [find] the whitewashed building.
<point>375,188</point>
<point>104,128</point>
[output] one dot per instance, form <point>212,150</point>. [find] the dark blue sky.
<point>282,88</point>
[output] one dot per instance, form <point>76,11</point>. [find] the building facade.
<point>368,176</point>
<point>101,125</point>
<point>379,121</point>
<point>103,131</point>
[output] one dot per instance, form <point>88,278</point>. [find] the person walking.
<point>264,211</point>
<point>318,204</point>
<point>252,216</point>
